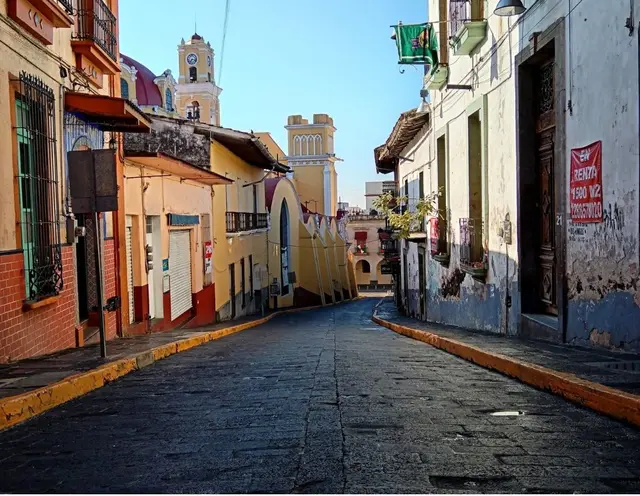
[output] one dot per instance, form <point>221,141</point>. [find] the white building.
<point>526,245</point>
<point>373,189</point>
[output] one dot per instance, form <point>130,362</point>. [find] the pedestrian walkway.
<point>611,368</point>
<point>30,374</point>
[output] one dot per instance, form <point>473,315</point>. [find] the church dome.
<point>147,92</point>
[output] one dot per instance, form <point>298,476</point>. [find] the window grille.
<point>124,89</point>
<point>168,100</point>
<point>38,187</point>
<point>97,23</point>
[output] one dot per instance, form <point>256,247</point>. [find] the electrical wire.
<point>224,38</point>
<point>486,58</point>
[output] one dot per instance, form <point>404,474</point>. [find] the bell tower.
<point>197,95</point>
<point>312,159</point>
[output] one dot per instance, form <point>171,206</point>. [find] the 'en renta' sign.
<point>585,186</point>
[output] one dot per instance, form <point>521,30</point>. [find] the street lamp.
<point>509,8</point>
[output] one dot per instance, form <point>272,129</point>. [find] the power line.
<point>224,38</point>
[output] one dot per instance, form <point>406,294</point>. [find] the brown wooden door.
<point>545,130</point>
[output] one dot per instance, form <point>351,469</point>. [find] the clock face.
<point>209,60</point>
<point>192,59</point>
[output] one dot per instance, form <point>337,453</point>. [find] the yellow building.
<point>312,159</point>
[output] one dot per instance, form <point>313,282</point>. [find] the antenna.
<point>195,22</point>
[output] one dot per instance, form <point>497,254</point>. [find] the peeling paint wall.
<point>603,306</point>
<point>454,297</point>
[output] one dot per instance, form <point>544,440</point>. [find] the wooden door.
<point>545,162</point>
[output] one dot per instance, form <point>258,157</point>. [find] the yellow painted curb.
<point>618,404</point>
<point>17,409</point>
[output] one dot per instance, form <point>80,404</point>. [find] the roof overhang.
<point>246,146</point>
<point>405,130</point>
<point>107,112</point>
<point>176,167</point>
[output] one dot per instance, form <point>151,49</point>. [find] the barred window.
<point>38,187</point>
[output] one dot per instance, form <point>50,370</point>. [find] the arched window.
<point>363,267</point>
<point>318,144</point>
<point>168,100</point>
<point>305,145</point>
<point>193,74</point>
<point>297,145</point>
<point>193,111</point>
<point>124,88</point>
<point>284,246</point>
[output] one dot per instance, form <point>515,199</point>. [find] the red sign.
<point>585,186</point>
<point>434,234</point>
<point>208,253</point>
<point>208,249</point>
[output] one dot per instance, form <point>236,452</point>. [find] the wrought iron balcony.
<point>96,23</point>
<point>389,248</point>
<point>67,5</point>
<point>472,256</point>
<point>245,221</point>
<point>440,249</point>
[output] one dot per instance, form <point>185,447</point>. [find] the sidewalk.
<point>605,380</point>
<point>33,373</point>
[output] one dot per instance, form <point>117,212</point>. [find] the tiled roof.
<point>406,128</point>
<point>147,92</point>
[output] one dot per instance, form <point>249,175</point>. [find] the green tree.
<point>404,223</point>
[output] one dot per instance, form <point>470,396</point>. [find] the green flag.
<point>417,44</point>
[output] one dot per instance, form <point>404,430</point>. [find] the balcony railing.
<point>472,256</point>
<point>245,221</point>
<point>97,23</point>
<point>363,217</point>
<point>459,13</point>
<point>67,6</point>
<point>389,248</point>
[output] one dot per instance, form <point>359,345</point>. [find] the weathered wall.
<point>453,297</point>
<point>603,280</point>
<point>175,138</point>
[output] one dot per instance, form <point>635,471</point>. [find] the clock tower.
<point>197,95</point>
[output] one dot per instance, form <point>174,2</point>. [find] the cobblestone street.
<point>319,401</point>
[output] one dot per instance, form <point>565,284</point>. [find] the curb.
<point>17,409</point>
<point>612,402</point>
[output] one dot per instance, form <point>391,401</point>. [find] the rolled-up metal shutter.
<point>129,250</point>
<point>180,273</point>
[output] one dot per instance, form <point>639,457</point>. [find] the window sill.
<point>442,258</point>
<point>35,304</point>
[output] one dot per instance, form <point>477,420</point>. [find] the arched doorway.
<point>363,272</point>
<point>284,247</point>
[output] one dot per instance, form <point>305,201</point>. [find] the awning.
<point>107,112</point>
<point>405,129</point>
<point>176,167</point>
<point>360,235</point>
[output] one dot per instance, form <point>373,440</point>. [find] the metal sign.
<point>274,288</point>
<point>93,182</point>
<point>208,254</point>
<point>386,268</point>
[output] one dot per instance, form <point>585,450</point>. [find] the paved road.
<point>321,401</point>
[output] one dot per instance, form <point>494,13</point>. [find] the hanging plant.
<point>406,221</point>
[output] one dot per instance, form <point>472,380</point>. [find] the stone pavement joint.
<point>603,399</point>
<point>21,407</point>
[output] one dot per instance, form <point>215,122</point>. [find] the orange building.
<point>59,93</point>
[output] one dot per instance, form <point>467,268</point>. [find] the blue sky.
<point>285,57</point>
